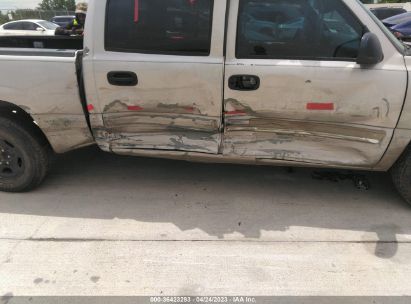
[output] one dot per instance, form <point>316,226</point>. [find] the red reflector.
<point>320,106</point>
<point>134,108</point>
<point>90,107</point>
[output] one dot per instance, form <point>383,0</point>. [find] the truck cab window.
<point>178,27</point>
<point>297,29</point>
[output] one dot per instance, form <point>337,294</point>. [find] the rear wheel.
<point>401,175</point>
<point>23,157</point>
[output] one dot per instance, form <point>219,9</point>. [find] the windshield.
<point>398,44</point>
<point>48,25</point>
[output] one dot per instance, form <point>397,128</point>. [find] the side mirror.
<point>370,51</point>
<point>40,29</point>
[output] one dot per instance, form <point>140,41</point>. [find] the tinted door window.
<point>47,25</point>
<point>159,26</point>
<point>14,26</point>
<point>29,26</point>
<point>297,29</point>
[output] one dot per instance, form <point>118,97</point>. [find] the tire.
<point>401,175</point>
<point>24,158</point>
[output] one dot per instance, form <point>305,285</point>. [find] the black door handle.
<point>244,82</point>
<point>122,78</point>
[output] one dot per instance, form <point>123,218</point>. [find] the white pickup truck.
<point>317,83</point>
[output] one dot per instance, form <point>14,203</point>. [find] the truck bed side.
<point>44,84</point>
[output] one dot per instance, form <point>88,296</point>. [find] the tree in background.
<point>25,14</point>
<point>50,5</point>
<point>3,18</point>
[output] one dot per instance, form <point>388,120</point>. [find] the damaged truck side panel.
<point>177,103</point>
<point>234,99</point>
<point>46,88</point>
<point>174,107</point>
<point>314,111</point>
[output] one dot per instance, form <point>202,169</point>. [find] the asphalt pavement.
<point>103,224</point>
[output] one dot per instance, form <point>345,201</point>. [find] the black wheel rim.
<point>11,160</point>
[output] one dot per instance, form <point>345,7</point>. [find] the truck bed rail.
<point>37,52</point>
<point>42,42</point>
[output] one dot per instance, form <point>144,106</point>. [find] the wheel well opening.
<point>19,115</point>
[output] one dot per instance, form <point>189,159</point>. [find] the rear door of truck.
<point>154,75</point>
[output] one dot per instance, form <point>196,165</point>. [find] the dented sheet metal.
<point>65,132</point>
<point>266,136</point>
<point>175,141</point>
<point>305,141</point>
<point>303,148</point>
<point>300,128</point>
<point>176,129</point>
<point>175,106</point>
<point>47,90</point>
<point>332,115</point>
<point>184,132</point>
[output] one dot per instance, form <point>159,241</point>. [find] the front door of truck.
<point>293,89</point>
<point>157,73</point>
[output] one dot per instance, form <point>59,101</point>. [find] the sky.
<point>10,4</point>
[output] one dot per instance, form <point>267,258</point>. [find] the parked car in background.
<point>29,27</point>
<point>402,31</point>
<point>398,19</point>
<point>62,20</point>
<point>386,12</point>
<point>400,25</point>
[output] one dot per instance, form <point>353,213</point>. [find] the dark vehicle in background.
<point>398,19</point>
<point>400,25</point>
<point>62,20</point>
<point>387,12</point>
<point>402,31</point>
